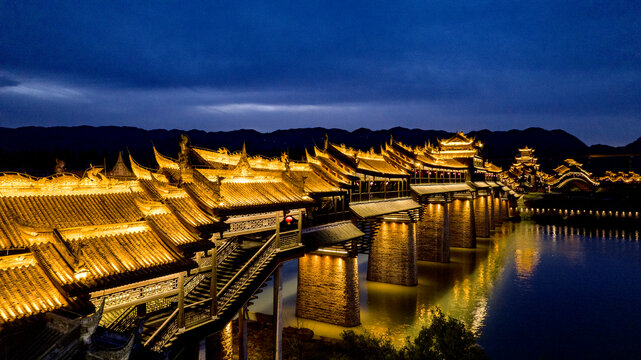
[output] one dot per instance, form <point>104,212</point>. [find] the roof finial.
<point>243,152</point>
<point>326,141</point>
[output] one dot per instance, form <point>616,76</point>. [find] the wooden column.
<point>213,309</point>
<point>445,250</point>
<point>141,310</point>
<point>488,215</point>
<point>491,209</point>
<point>299,234</point>
<point>198,261</point>
<point>242,333</point>
<point>385,189</point>
<point>278,313</point>
<point>472,220</point>
<point>278,229</point>
<point>181,300</point>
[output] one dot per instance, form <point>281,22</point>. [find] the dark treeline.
<point>35,149</point>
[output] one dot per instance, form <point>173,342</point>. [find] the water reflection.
<point>487,285</point>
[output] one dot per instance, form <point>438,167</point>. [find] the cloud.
<point>7,82</point>
<point>46,91</point>
<point>257,108</point>
<point>224,65</point>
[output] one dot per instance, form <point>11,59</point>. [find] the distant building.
<point>525,175</point>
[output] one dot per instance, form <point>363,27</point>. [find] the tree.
<point>446,338</point>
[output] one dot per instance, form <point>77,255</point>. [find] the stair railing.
<point>238,281</point>
<point>170,327</point>
<point>125,321</point>
<point>288,239</point>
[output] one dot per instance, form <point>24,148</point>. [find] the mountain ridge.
<point>34,149</point>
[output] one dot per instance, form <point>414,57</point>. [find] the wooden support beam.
<point>181,300</point>
<point>213,309</point>
<point>278,313</point>
<point>242,333</point>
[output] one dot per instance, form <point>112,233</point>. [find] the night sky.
<point>574,65</point>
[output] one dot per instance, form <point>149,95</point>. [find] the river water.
<point>530,292</point>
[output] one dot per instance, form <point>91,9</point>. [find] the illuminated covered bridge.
<point>178,251</point>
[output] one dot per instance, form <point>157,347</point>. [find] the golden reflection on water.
<point>462,288</point>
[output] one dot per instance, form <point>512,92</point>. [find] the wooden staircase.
<point>197,302</point>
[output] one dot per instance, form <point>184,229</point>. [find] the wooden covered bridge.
<point>147,260</point>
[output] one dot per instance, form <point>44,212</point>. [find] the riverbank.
<point>612,208</point>
<point>298,343</point>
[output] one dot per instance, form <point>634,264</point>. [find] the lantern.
<point>289,219</point>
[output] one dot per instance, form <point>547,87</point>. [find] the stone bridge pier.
<point>433,231</point>
<point>462,223</point>
<point>499,209</point>
<point>392,256</point>
<point>482,215</point>
<point>328,288</point>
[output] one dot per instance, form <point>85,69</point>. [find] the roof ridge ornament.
<point>183,158</point>
<point>243,163</point>
<point>284,158</point>
<point>60,166</point>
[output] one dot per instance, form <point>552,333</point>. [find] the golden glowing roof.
<point>335,167</point>
<point>60,204</point>
<point>25,289</point>
<point>239,168</point>
<point>165,162</point>
<point>561,169</point>
<point>220,157</point>
<point>320,167</point>
<point>314,181</point>
<point>94,182</point>
<point>176,199</point>
<point>87,257</point>
<point>251,191</point>
<point>370,161</point>
<point>188,210</point>
<point>120,170</point>
<point>492,168</point>
<point>436,161</point>
<point>227,159</point>
<point>573,162</point>
<point>630,177</point>
<point>458,139</point>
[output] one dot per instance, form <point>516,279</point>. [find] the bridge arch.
<point>578,181</point>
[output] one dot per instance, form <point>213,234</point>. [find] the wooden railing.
<point>241,278</point>
<point>378,195</point>
<point>125,321</point>
<point>225,250</point>
<point>239,225</point>
<point>288,239</point>
<point>198,312</point>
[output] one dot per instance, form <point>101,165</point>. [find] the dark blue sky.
<point>574,65</point>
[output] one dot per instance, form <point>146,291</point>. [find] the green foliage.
<point>445,338</point>
<point>365,346</point>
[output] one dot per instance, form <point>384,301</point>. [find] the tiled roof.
<point>25,289</point>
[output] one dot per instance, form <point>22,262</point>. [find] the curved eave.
<point>335,168</point>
